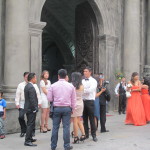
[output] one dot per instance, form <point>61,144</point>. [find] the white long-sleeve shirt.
<point>117,88</point>
<point>20,99</point>
<point>90,86</point>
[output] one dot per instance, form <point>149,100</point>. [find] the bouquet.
<point>119,75</point>
<point>128,94</point>
<point>129,85</point>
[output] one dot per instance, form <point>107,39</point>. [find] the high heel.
<point>42,130</point>
<point>46,126</point>
<point>72,134</point>
<point>82,138</point>
<point>76,140</point>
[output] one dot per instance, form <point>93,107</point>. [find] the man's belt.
<point>61,106</point>
<point>88,99</point>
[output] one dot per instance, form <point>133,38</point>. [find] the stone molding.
<point>35,28</point>
<point>108,38</point>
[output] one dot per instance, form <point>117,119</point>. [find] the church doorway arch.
<point>70,38</point>
<point>86,33</point>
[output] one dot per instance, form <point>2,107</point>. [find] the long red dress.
<point>146,103</point>
<point>135,111</point>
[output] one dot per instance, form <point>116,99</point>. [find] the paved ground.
<point>120,137</point>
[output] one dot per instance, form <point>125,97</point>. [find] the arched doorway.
<point>60,19</point>
<point>86,31</point>
<point>70,38</point>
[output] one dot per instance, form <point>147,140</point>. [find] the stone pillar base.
<point>11,122</point>
<point>9,92</point>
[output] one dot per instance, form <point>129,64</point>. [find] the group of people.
<point>28,99</point>
<point>136,103</point>
<point>74,100</point>
<point>84,98</point>
<point>69,101</point>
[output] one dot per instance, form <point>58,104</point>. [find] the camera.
<point>104,85</point>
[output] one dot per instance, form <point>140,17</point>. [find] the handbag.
<point>128,94</point>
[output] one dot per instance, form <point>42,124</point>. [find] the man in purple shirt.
<point>63,96</point>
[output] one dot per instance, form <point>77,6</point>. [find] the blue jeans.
<point>61,114</point>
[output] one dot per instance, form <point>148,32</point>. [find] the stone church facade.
<point>108,35</point>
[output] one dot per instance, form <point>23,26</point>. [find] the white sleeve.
<point>92,88</point>
<point>49,82</point>
<point>18,95</point>
<point>42,83</point>
<point>117,89</point>
<point>38,94</point>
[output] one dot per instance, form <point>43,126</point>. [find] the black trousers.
<point>103,117</point>
<point>88,114</point>
<point>31,117</point>
<point>22,120</point>
<point>122,103</point>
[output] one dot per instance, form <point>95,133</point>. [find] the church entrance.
<point>86,32</point>
<point>70,37</point>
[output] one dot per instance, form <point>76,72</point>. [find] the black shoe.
<point>123,112</point>
<point>119,113</point>
<point>82,138</point>
<point>104,131</point>
<point>53,149</point>
<point>22,134</point>
<point>29,144</point>
<point>33,140</point>
<point>95,139</point>
<point>68,148</point>
<point>76,140</point>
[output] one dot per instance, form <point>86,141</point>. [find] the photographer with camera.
<point>103,97</point>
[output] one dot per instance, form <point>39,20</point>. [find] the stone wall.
<point>2,24</point>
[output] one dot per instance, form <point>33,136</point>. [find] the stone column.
<point>35,31</point>
<point>1,39</point>
<point>131,37</point>
<point>107,58</point>
<point>148,36</point>
<point>16,45</point>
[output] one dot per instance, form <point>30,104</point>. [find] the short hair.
<point>62,73</point>
<point>88,68</point>
<point>31,76</point>
<point>1,92</point>
<point>25,73</point>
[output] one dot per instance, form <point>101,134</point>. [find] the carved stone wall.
<point>84,37</point>
<point>107,58</point>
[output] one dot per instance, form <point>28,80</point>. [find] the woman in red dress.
<point>146,97</point>
<point>135,111</point>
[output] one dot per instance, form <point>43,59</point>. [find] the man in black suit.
<point>31,108</point>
